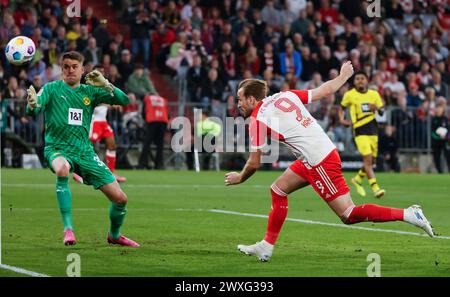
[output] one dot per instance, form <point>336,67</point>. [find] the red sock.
<point>374,213</point>
<point>277,214</point>
<point>111,160</point>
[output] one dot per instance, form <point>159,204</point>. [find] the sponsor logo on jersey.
<point>86,101</point>
<point>365,107</point>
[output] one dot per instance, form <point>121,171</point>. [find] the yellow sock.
<point>373,184</point>
<point>360,176</point>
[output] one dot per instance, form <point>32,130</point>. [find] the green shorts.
<point>88,165</point>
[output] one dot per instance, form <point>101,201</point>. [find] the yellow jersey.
<point>362,117</point>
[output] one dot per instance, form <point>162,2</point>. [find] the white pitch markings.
<point>22,271</point>
<point>327,224</point>
<point>104,209</point>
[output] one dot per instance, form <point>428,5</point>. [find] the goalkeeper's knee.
<point>120,198</point>
<point>62,170</point>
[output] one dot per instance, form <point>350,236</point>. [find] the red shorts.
<point>326,177</point>
<point>100,130</point>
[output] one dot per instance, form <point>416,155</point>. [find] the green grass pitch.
<point>168,214</point>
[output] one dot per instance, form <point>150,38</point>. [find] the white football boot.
<point>262,250</point>
<point>414,215</point>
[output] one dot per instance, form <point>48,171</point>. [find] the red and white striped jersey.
<point>284,117</point>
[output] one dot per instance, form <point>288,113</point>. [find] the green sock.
<point>64,197</point>
<point>116,215</point>
<point>360,176</point>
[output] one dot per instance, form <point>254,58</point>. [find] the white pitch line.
<point>326,224</point>
<point>136,186</point>
<point>244,214</point>
<point>22,271</point>
<point>102,209</point>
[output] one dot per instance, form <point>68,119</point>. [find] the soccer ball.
<point>20,50</point>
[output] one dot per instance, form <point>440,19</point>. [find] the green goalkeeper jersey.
<point>68,113</point>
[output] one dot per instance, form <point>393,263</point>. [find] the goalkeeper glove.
<point>96,79</point>
<point>32,98</point>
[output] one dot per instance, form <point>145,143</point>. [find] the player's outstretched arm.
<point>332,86</point>
<point>112,95</point>
<point>253,163</point>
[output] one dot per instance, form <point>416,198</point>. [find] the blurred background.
<point>193,54</point>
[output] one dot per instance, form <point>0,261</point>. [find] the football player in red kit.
<point>283,116</point>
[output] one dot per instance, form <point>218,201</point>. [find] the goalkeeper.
<point>68,106</point>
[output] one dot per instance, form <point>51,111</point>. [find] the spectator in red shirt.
<point>207,37</point>
<point>367,35</point>
<point>89,19</point>
<point>20,15</point>
<point>392,60</point>
<point>156,117</point>
<point>162,38</point>
<point>424,76</point>
<point>252,61</point>
<point>215,21</point>
<point>227,61</point>
<point>240,47</point>
<point>328,13</point>
<point>444,20</point>
<point>383,70</point>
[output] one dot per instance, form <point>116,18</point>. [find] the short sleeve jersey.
<point>362,117</point>
<point>284,117</point>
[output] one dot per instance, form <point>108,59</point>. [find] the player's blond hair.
<point>254,87</point>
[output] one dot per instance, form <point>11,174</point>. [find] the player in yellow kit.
<point>363,103</point>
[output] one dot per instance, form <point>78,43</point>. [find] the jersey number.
<point>286,105</point>
<point>99,162</point>
<point>320,186</point>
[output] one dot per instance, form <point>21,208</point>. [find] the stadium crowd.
<point>292,44</point>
